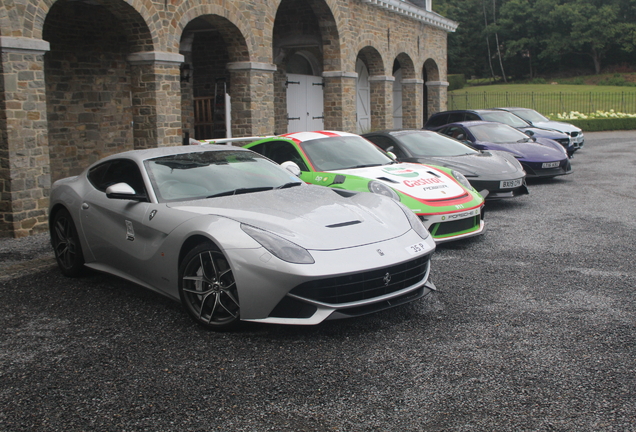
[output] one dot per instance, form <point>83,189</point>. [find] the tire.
<point>66,244</point>
<point>208,290</point>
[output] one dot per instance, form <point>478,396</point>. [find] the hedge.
<point>456,82</point>
<point>597,125</point>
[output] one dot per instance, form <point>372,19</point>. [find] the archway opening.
<point>88,81</point>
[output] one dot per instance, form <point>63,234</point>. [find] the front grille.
<point>565,142</point>
<point>574,134</point>
<point>365,285</point>
<point>452,227</point>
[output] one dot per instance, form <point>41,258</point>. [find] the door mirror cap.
<point>292,167</point>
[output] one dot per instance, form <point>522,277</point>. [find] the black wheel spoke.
<point>208,289</point>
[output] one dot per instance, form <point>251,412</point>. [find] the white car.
<point>539,120</point>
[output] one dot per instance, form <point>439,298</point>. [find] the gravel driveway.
<point>532,329</point>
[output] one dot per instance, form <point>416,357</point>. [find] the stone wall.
<point>112,74</point>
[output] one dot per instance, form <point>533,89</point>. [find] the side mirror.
<point>391,155</point>
<point>529,133</point>
<point>292,167</point>
<point>123,191</point>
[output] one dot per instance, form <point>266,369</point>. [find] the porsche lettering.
<point>460,215</point>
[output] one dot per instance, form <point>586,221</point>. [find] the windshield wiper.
<point>288,185</point>
<point>241,191</point>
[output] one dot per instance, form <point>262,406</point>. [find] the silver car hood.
<point>560,126</point>
<point>314,217</point>
<point>476,165</point>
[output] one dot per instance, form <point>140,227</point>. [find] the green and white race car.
<point>443,199</point>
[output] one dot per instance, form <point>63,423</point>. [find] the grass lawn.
<point>543,88</point>
<point>548,99</point>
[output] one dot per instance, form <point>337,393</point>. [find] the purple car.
<point>540,157</point>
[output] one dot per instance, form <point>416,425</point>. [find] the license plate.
<point>550,164</point>
<point>417,248</point>
<point>507,184</point>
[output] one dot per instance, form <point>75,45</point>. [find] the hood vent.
<point>387,179</point>
<point>343,224</point>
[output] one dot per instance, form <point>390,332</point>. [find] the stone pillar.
<point>412,100</point>
<point>25,178</point>
<point>252,98</point>
<point>156,99</point>
<point>381,101</point>
<point>437,96</point>
<point>340,101</point>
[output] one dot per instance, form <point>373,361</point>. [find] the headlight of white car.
<point>382,189</point>
<point>278,246</point>
<point>461,179</point>
<point>415,222</point>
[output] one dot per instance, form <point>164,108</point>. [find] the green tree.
<point>587,27</point>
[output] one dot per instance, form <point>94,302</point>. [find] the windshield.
<point>338,153</point>
<point>197,175</point>
<point>497,133</point>
<point>431,144</point>
<point>531,115</point>
<point>505,117</point>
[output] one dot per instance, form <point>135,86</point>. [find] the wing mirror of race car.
<point>124,191</point>
<point>391,154</point>
<point>292,167</point>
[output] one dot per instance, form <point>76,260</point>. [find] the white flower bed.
<point>575,115</point>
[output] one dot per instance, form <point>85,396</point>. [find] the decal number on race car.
<point>550,164</point>
<point>417,248</point>
<point>507,184</point>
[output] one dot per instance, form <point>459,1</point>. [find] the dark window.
<point>472,116</point>
<point>437,120</point>
<point>456,117</point>
<point>279,152</point>
<point>455,132</point>
<point>117,171</point>
<point>387,144</point>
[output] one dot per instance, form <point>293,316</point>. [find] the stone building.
<point>81,79</point>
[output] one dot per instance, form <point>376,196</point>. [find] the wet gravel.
<point>531,329</point>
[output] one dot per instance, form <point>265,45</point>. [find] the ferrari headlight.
<point>278,246</point>
<point>382,189</point>
<point>461,179</point>
<point>415,222</point>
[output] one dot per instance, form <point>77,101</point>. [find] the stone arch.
<point>210,44</point>
<point>430,75</point>
<point>372,103</point>
<point>137,14</point>
<point>308,27</point>
<point>91,84</point>
<point>372,58</point>
<point>404,62</point>
<point>228,18</point>
<point>407,93</point>
<point>430,71</point>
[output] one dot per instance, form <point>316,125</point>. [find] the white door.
<point>304,103</point>
<point>397,99</point>
<point>363,91</point>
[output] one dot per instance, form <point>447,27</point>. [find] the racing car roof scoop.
<point>343,224</point>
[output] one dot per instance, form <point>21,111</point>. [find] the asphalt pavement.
<point>532,329</point>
